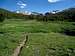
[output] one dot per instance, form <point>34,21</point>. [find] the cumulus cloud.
<point>21,4</point>
<point>53,1</point>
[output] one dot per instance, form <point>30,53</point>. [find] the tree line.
<point>65,15</point>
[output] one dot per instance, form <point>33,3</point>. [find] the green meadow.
<point>44,38</point>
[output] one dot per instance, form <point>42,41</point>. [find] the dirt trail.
<point>17,51</point>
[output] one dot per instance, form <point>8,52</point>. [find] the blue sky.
<point>41,6</point>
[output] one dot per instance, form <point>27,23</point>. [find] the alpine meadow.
<point>39,32</point>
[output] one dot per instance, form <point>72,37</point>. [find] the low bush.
<point>2,17</point>
<point>69,30</point>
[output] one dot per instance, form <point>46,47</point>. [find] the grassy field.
<point>44,38</point>
<point>33,26</point>
<point>49,44</point>
<point>9,41</point>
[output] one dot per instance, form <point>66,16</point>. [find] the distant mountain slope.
<point>68,14</point>
<point>9,14</point>
<point>69,11</point>
<point>65,15</point>
<point>4,11</point>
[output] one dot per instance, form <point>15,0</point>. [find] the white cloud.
<point>17,11</point>
<point>53,1</point>
<point>21,4</point>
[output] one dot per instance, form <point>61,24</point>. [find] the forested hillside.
<point>65,15</point>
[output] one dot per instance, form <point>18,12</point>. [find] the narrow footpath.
<point>17,51</point>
